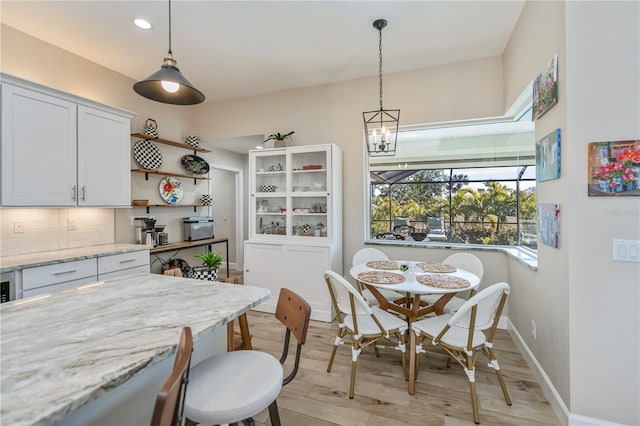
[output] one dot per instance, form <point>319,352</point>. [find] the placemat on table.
<point>443,281</point>
<point>380,277</point>
<point>437,268</point>
<point>387,265</point>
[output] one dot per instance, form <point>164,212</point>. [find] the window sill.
<point>523,255</point>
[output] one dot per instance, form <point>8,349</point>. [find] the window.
<point>466,183</point>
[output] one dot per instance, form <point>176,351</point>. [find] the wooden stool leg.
<point>244,331</point>
<point>230,346</point>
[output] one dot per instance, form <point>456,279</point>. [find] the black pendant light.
<point>381,126</point>
<point>169,85</point>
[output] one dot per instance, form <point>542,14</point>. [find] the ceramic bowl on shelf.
<point>318,185</point>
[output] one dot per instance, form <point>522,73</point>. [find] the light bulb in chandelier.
<point>170,86</point>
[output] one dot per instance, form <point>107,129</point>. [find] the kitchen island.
<point>64,352</point>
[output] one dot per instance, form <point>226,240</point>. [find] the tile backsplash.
<point>33,230</point>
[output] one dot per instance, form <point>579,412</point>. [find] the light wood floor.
<point>442,396</point>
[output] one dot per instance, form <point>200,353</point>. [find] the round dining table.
<point>447,281</point>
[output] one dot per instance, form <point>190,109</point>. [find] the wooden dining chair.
<point>169,407</point>
<point>364,325</point>
<point>466,334</point>
<point>468,262</point>
<point>235,386</point>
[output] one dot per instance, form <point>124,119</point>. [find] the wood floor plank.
<point>442,397</point>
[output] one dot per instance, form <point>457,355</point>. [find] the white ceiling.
<point>231,49</point>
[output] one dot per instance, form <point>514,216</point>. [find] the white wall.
<point>603,104</point>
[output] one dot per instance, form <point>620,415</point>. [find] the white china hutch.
<point>295,215</point>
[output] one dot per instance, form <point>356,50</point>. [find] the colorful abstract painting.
<point>549,224</point>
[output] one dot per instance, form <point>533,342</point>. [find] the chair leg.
<point>402,353</point>
<point>273,414</point>
<point>494,364</point>
<point>377,351</point>
<point>449,362</point>
<point>412,362</point>
<point>244,330</point>
<point>336,342</point>
<point>230,346</point>
<point>352,383</point>
<point>472,386</point>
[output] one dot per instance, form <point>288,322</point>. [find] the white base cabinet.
<point>297,267</point>
<point>60,150</point>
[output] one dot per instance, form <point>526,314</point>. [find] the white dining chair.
<point>468,262</point>
<point>364,325</point>
<point>369,254</point>
<point>466,334</point>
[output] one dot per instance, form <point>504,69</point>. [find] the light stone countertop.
<point>30,260</point>
<point>62,350</point>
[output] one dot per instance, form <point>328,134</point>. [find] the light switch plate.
<point>625,250</point>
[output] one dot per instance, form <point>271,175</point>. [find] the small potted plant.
<point>209,270</point>
<point>279,139</point>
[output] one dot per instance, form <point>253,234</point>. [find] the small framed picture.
<point>614,168</point>
<point>548,157</point>
<point>545,89</point>
<point>549,224</point>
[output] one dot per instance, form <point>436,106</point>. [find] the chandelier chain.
<point>380,68</point>
<point>170,52</point>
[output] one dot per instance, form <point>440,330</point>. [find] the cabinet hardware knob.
<point>84,193</point>
<point>73,189</point>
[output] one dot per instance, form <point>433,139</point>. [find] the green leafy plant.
<point>278,136</point>
<point>210,259</point>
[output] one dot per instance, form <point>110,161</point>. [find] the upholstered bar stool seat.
<point>233,386</point>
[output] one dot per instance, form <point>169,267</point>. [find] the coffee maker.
<point>144,226</point>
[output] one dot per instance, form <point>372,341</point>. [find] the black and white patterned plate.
<point>147,154</point>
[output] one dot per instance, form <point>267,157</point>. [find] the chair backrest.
<point>169,406</point>
<point>368,254</point>
<point>341,291</point>
<point>295,313</point>
<point>489,302</point>
<point>466,261</point>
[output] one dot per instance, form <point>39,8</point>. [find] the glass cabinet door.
<point>269,183</point>
<point>309,193</point>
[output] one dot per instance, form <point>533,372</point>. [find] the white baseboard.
<point>550,392</point>
<point>576,420</point>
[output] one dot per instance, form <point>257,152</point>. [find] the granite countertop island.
<point>30,260</point>
<point>63,350</point>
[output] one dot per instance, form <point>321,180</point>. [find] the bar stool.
<point>235,386</point>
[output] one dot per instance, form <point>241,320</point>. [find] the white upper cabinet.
<point>59,150</point>
<point>38,149</point>
<point>103,158</point>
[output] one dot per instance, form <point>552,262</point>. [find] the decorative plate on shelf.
<point>195,165</point>
<point>171,190</point>
<point>147,154</point>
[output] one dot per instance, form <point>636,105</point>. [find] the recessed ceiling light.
<point>142,23</point>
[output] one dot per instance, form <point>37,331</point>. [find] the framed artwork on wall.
<point>548,157</point>
<point>614,168</point>
<point>549,224</point>
<point>545,89</point>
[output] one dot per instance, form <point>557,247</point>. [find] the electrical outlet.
<point>18,227</point>
<point>71,224</point>
<point>533,330</point>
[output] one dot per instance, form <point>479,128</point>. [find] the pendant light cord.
<point>170,52</point>
<point>380,56</point>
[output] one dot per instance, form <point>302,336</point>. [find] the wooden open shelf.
<point>169,142</point>
<point>160,172</point>
<point>195,206</point>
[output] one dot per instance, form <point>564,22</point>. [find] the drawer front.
<point>59,273</point>
<point>57,287</point>
<point>121,261</point>
<point>144,269</point>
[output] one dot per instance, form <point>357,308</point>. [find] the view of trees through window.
<point>457,205</point>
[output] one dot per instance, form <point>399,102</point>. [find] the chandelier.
<point>381,126</point>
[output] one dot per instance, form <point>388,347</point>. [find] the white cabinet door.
<point>264,268</point>
<point>104,177</point>
<point>38,149</point>
<point>304,273</point>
